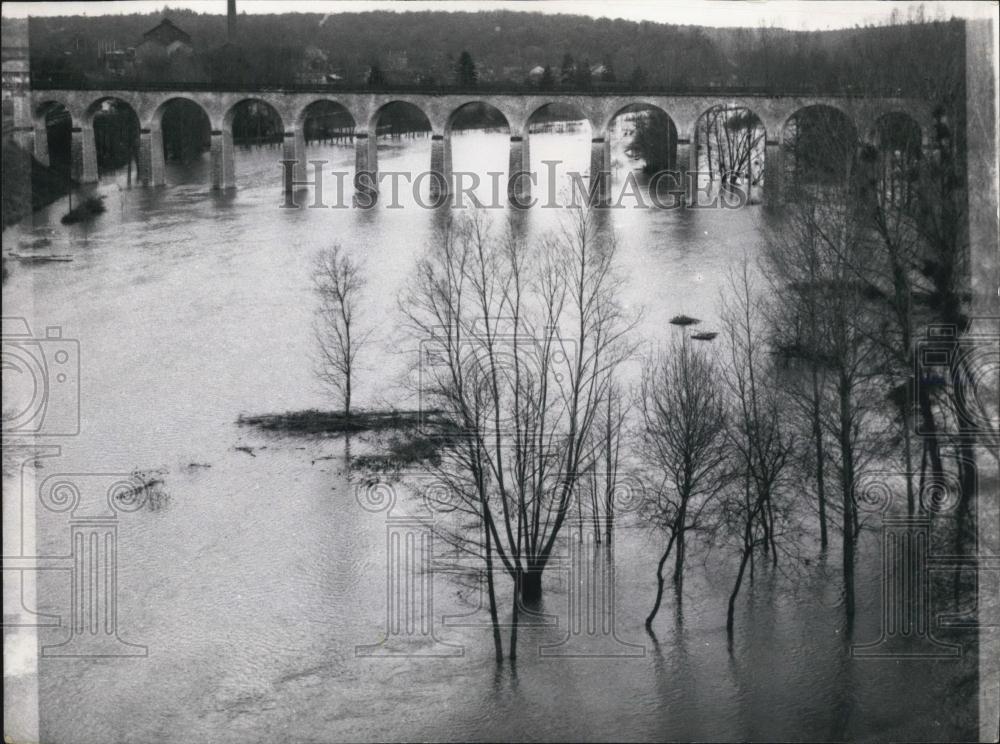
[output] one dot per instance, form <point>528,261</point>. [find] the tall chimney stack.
<point>232,22</point>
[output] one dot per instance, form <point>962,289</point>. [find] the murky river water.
<point>254,584</point>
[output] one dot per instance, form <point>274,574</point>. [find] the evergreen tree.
<point>548,80</point>
<point>568,69</point>
<point>465,71</point>
<point>376,78</point>
<point>638,78</point>
<point>608,75</point>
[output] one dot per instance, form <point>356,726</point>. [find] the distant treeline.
<point>907,57</point>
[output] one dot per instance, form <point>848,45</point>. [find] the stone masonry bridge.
<point>291,106</point>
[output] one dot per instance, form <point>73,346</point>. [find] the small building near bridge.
<point>166,53</point>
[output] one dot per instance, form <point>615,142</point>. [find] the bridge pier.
<point>40,142</point>
<point>84,155</point>
<point>518,181</point>
<point>223,160</point>
<point>23,121</point>
<point>365,166</point>
<point>299,153</point>
<point>600,171</point>
<point>774,167</point>
<point>687,167</point>
<point>24,136</point>
<point>158,167</point>
<point>152,168</point>
<point>288,153</point>
<point>440,166</point>
<point>145,154</point>
<point>294,148</point>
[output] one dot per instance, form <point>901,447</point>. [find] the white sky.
<point>793,14</point>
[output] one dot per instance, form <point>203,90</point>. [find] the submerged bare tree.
<point>794,319</point>
<point>821,259</point>
<point>683,438</point>
<point>338,282</point>
<point>760,444</point>
<point>522,343</point>
<point>731,139</point>
<point>609,436</point>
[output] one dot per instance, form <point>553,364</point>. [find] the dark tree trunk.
<point>609,477</point>
<point>770,530</point>
<point>681,543</point>
<point>747,550</point>
<point>911,505</point>
<point>515,605</point>
<point>963,378</point>
<point>531,586</point>
<point>659,583</point>
<point>679,558</point>
<point>965,526</point>
<point>817,432</point>
<point>847,486</point>
<point>497,642</point>
<point>929,425</point>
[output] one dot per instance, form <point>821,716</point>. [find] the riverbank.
<point>20,168</point>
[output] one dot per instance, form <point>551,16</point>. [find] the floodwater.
<point>255,581</point>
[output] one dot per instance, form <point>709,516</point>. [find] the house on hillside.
<point>16,67</point>
<point>166,53</point>
<point>119,62</point>
<point>163,40</point>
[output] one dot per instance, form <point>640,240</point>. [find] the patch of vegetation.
<point>401,451</point>
<point>148,491</point>
<point>90,208</point>
<point>315,422</point>
<point>413,437</point>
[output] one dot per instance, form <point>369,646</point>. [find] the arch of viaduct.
<point>684,111</point>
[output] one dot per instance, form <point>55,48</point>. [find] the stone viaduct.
<point>599,109</point>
